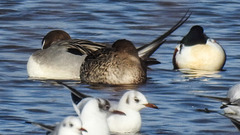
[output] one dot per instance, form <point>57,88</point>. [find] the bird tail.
<point>147,50</point>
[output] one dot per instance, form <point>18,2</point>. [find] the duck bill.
<point>118,112</point>
<point>83,129</point>
<point>150,105</point>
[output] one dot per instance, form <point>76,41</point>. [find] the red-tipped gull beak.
<point>150,105</point>
<point>83,129</point>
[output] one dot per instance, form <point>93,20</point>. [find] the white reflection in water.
<point>191,74</point>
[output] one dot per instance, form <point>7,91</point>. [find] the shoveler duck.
<point>61,58</point>
<point>197,51</point>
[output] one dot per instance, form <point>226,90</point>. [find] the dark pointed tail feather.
<point>152,61</point>
<point>234,119</point>
<point>236,123</point>
<point>42,126</point>
<point>74,91</point>
<point>234,103</point>
<point>147,50</point>
<point>75,99</point>
<point>223,106</point>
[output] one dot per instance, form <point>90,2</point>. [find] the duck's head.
<point>54,36</point>
<point>195,36</point>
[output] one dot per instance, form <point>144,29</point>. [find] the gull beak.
<point>83,129</point>
<point>118,112</point>
<point>150,105</point>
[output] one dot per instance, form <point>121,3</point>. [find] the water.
<point>25,22</point>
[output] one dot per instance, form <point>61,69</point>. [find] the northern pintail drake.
<point>60,57</point>
<point>197,51</point>
<point>63,57</point>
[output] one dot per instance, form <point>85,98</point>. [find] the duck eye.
<point>136,100</point>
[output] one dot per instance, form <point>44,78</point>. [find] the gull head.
<point>134,100</point>
<point>71,125</point>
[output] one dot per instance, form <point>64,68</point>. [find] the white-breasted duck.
<point>197,51</point>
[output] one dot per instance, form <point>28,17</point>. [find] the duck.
<point>199,52</point>
<point>116,65</point>
<point>61,57</point>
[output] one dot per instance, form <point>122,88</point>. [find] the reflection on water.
<point>191,74</point>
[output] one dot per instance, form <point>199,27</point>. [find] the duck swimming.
<point>197,51</point>
<point>62,57</point>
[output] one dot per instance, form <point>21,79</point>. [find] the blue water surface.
<point>23,23</point>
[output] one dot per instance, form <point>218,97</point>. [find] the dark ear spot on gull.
<point>127,100</point>
<point>105,105</point>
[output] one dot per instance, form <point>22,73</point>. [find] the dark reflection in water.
<point>25,22</point>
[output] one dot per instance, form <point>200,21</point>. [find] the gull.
<point>235,119</point>
<point>71,125</point>
<point>130,104</point>
<point>93,112</point>
<point>231,103</point>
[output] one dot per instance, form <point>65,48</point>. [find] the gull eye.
<point>71,125</point>
<point>107,107</point>
<point>136,100</point>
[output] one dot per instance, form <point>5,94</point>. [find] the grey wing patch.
<point>80,47</point>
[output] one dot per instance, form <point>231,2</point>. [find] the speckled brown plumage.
<point>117,65</point>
